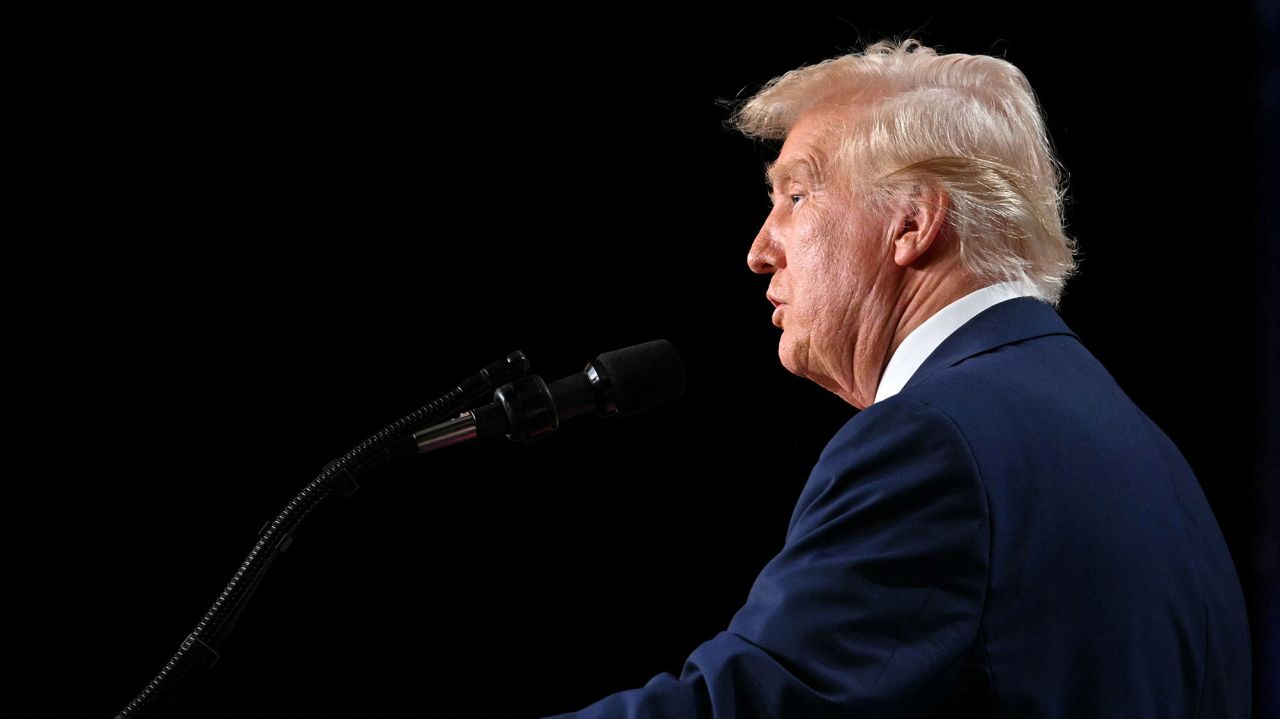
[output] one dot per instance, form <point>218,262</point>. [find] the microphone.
<point>615,384</point>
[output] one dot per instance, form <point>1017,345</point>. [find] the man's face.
<point>832,265</point>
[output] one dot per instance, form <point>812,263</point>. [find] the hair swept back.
<point>968,123</point>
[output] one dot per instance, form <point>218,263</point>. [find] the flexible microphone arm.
<point>200,648</point>
<point>616,383</point>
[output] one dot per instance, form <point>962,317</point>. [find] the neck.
<point>921,293</point>
<point>923,298</point>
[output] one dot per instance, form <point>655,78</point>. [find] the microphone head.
<point>642,376</point>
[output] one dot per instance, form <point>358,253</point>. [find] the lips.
<point>778,304</point>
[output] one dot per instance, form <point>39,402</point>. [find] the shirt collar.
<point>923,340</point>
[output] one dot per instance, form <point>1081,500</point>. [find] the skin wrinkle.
<point>801,170</point>
<point>864,353</point>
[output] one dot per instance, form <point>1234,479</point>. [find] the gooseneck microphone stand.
<point>199,650</point>
<point>524,408</point>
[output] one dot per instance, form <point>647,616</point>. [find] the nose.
<point>766,255</point>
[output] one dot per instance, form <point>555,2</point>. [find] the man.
<point>1000,529</point>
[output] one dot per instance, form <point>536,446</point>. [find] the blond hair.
<point>969,124</point>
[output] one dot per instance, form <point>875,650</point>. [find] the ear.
<point>919,223</point>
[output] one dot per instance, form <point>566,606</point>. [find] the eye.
<point>794,198</point>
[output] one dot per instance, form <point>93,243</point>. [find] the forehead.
<point>809,148</point>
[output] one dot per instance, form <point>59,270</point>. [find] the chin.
<point>790,358</point>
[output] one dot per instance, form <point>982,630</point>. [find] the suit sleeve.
<point>874,603</point>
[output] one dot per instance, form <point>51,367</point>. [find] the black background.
<point>251,238</point>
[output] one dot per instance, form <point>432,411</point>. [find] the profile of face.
<point>835,281</point>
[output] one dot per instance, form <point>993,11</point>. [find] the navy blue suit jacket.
<point>1009,532</point>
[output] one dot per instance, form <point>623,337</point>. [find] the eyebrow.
<point>777,173</point>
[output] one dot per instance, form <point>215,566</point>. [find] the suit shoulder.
<point>895,420</point>
<point>898,438</point>
<point>897,457</point>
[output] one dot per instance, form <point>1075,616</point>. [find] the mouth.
<point>777,312</point>
<point>775,301</point>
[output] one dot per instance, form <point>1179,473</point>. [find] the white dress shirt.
<point>924,339</point>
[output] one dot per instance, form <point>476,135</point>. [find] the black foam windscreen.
<point>643,375</point>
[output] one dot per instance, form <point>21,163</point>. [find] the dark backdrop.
<point>251,238</point>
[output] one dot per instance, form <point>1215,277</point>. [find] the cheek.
<point>829,267</point>
<point>831,309</point>
<point>838,298</point>
<point>833,281</point>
